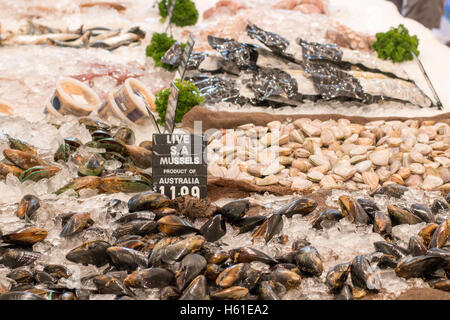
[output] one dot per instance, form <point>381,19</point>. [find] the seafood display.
<point>307,155</point>
<point>322,180</point>
<point>96,37</point>
<point>288,74</point>
<point>173,256</point>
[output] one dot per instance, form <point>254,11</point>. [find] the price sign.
<point>179,165</point>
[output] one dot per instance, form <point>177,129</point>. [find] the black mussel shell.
<point>325,216</point>
<point>247,255</point>
<point>439,206</point>
<point>14,258</point>
<point>266,291</point>
<point>149,278</point>
<point>392,190</point>
<point>369,206</point>
<point>20,295</point>
<point>169,293</point>
<point>288,278</point>
<point>309,261</point>
<point>337,276</point>
<point>234,210</point>
<point>126,259</point>
<point>107,284</point>
<point>191,266</point>
<point>387,261</point>
<point>363,276</point>
<point>92,252</point>
<point>147,201</point>
<point>28,206</point>
<point>232,293</point>
<point>422,212</point>
<point>440,235</point>
<point>352,209</point>
<point>382,224</point>
<point>197,290</point>
<point>390,248</point>
<point>346,293</point>
<point>271,227</point>
<point>402,216</point>
<point>420,266</point>
<point>247,224</point>
<point>301,206</point>
<point>173,225</point>
<point>416,247</point>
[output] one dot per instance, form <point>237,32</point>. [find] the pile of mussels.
<point>155,246</point>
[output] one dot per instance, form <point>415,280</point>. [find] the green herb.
<point>396,44</point>
<point>184,14</point>
<point>159,44</point>
<point>188,98</point>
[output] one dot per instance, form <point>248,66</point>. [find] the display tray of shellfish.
<point>328,168</point>
<point>80,220</point>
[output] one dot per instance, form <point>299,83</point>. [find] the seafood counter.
<point>328,167</point>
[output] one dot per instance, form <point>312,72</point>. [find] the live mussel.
<point>149,278</point>
<point>92,252</point>
<point>107,284</point>
<point>26,237</point>
<point>28,206</point>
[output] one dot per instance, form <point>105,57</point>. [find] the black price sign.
<point>179,165</point>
